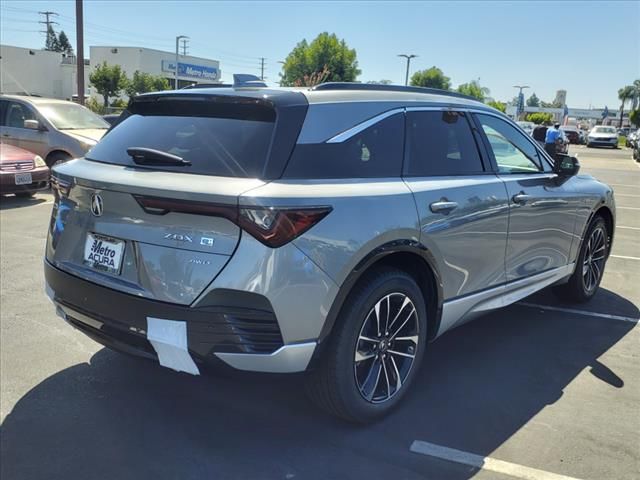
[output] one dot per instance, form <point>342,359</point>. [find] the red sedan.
<point>21,172</point>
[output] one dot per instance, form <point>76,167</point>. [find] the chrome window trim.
<point>347,134</point>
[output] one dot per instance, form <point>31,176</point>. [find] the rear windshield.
<point>222,140</point>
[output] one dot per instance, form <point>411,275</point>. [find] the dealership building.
<point>53,74</point>
<point>157,62</point>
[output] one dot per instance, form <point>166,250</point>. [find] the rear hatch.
<point>133,218</point>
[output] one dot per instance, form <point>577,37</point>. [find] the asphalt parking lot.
<point>539,390</point>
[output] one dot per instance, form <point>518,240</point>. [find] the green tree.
<point>64,45</point>
<point>326,58</point>
<point>108,80</point>
<point>533,101</point>
<point>432,78</point>
<point>539,117</point>
<point>625,94</point>
<point>145,82</point>
<point>634,117</point>
<point>474,89</point>
<point>51,42</point>
<point>498,106</point>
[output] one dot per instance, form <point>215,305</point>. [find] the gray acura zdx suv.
<point>335,230</point>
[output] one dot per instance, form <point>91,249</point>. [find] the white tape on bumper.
<point>169,340</point>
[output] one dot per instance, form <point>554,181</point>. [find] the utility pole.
<point>408,57</point>
<point>262,59</point>
<point>184,46</point>
<point>80,51</point>
<point>520,110</point>
<point>48,22</point>
<point>178,38</point>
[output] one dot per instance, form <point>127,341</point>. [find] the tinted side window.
<point>513,152</point>
<point>440,143</point>
<point>17,113</point>
<point>376,152</point>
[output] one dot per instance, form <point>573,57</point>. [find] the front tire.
<point>25,194</point>
<point>375,351</point>
<point>57,158</point>
<point>586,278</point>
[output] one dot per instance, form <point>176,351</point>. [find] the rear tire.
<point>586,278</point>
<point>372,360</point>
<point>56,158</point>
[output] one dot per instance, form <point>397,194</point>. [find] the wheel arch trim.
<point>368,261</point>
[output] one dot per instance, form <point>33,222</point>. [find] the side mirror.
<point>566,166</point>
<point>33,125</point>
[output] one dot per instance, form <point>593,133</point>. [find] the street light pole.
<point>408,57</point>
<point>520,100</point>
<point>178,38</point>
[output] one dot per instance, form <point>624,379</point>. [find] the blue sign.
<point>191,71</point>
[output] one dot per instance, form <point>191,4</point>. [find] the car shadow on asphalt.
<point>8,202</point>
<point>604,301</point>
<point>118,417</point>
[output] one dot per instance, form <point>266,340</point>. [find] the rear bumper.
<point>40,177</point>
<point>245,338</point>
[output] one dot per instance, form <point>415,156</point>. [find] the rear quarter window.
<point>440,144</point>
<point>376,152</point>
<point>220,140</point>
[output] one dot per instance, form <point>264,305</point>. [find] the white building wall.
<point>38,72</point>
<point>154,62</point>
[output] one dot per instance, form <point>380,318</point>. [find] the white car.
<point>603,136</point>
<point>527,127</point>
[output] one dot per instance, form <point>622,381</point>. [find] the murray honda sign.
<point>188,70</point>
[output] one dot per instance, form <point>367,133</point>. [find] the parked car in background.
<point>636,151</point>
<point>56,130</point>
<point>603,136</point>
<point>624,131</point>
<point>527,127</point>
<point>571,133</point>
<point>632,138</point>
<point>111,118</point>
<point>276,230</point>
<point>22,173</point>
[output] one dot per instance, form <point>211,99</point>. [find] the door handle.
<point>521,198</point>
<point>443,206</point>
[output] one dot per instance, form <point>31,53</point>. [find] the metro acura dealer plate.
<point>103,253</point>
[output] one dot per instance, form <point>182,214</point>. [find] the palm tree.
<point>625,94</point>
<point>636,95</point>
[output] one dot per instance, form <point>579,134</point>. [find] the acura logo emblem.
<point>96,205</point>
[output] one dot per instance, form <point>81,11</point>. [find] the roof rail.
<point>388,88</point>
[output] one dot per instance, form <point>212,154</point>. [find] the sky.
<point>589,48</point>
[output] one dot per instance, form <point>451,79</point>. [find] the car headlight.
<point>39,162</point>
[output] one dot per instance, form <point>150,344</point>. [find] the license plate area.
<point>103,253</point>
<point>23,179</point>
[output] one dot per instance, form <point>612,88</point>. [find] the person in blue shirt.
<point>553,137</point>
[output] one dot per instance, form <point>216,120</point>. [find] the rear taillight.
<point>277,226</point>
<point>273,226</point>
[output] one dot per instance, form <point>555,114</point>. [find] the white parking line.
<point>627,208</point>
<point>624,257</point>
<point>621,185</point>
<point>626,195</point>
<point>484,463</point>
<point>627,228</point>
<point>580,312</point>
